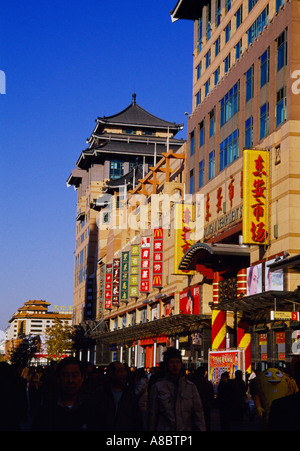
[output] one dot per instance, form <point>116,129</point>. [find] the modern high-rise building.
<point>243,143</point>
<point>121,146</point>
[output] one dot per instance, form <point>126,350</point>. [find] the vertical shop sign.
<point>124,277</point>
<point>158,238</point>
<point>116,282</point>
<point>184,234</point>
<point>134,271</point>
<point>145,264</point>
<point>108,286</point>
<point>256,193</point>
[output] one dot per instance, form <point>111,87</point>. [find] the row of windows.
<point>229,148</point>
<point>218,16</point>
<point>229,106</point>
<point>252,33</point>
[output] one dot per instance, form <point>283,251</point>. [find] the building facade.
<point>243,136</point>
<point>34,319</point>
<point>120,151</point>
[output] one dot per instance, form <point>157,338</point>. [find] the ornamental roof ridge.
<point>134,114</point>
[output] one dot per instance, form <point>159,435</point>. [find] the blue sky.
<point>66,63</point>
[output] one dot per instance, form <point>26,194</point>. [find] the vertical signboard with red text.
<point>256,196</point>
<point>157,257</point>
<point>145,265</point>
<point>116,281</point>
<point>108,286</point>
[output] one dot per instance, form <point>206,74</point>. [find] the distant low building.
<point>34,319</point>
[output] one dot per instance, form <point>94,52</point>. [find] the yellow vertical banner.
<point>184,228</point>
<point>255,196</point>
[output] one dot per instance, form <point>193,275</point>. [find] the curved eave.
<point>212,254</point>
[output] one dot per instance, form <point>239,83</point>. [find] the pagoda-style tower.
<point>128,142</point>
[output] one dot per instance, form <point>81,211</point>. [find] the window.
<point>198,98</point>
<point>198,71</point>
<point>229,104</point>
<point>239,17</point>
<point>207,59</point>
<point>207,87</point>
<point>227,6</point>
<point>192,143</point>
<point>200,34</point>
<point>229,150</point>
<point>212,122</point>
<point>238,50</point>
<point>217,76</point>
<point>227,63</point>
<point>251,4</point>
<point>191,181</point>
<point>264,67</point>
<point>211,165</point>
<point>201,133</point>
<point>116,169</point>
<point>201,174</point>
<point>280,106</point>
<point>249,83</point>
<point>264,121</point>
<point>279,3</point>
<point>218,12</point>
<point>217,46</point>
<point>258,25</point>
<point>282,50</point>
<point>227,32</point>
<point>249,132</point>
<point>208,20</point>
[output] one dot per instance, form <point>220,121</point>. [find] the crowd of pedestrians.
<point>70,396</point>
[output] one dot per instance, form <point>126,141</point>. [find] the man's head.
<point>70,376</point>
<point>117,374</point>
<point>173,362</point>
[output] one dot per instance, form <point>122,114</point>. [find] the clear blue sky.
<point>66,63</point>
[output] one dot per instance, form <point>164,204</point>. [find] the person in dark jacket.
<point>224,399</point>
<point>118,402</point>
<point>67,408</point>
<point>239,397</point>
<point>206,392</point>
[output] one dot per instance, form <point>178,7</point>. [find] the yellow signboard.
<point>255,196</point>
<point>184,233</point>
<point>284,316</point>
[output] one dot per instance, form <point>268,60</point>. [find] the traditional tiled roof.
<point>135,115</point>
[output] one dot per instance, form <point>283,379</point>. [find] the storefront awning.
<point>215,255</point>
<point>257,307</point>
<point>170,325</point>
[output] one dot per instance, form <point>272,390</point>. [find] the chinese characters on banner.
<point>255,192</point>
<point>157,257</point>
<point>184,231</point>
<point>116,281</point>
<point>125,277</point>
<point>108,286</point>
<point>134,271</point>
<point>145,265</point>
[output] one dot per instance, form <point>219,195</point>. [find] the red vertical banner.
<point>116,281</point>
<point>108,286</point>
<point>158,238</point>
<point>145,264</point>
